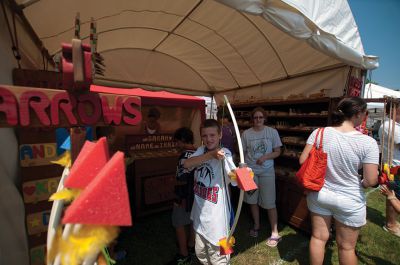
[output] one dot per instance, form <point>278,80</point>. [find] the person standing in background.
<point>261,145</point>
<point>183,199</point>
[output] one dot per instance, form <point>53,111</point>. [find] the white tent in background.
<point>375,92</point>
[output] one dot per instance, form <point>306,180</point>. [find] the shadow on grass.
<point>151,240</point>
<point>368,259</point>
<point>375,216</point>
<point>294,248</point>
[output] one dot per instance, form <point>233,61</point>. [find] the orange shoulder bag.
<point>311,174</point>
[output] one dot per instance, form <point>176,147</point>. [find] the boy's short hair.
<point>184,135</point>
<point>208,123</point>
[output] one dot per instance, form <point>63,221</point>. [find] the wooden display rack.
<point>294,120</point>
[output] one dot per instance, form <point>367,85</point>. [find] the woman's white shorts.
<point>344,209</point>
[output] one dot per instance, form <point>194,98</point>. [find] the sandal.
<point>395,231</point>
<point>273,241</point>
<point>253,232</point>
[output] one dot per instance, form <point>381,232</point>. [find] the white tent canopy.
<point>378,92</point>
<point>204,47</point>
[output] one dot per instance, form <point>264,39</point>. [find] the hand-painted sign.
<point>27,106</point>
<point>150,142</point>
<point>39,190</point>
<point>37,222</point>
<point>31,155</point>
<point>355,86</point>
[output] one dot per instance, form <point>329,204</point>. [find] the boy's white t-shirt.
<point>211,207</point>
<point>346,154</point>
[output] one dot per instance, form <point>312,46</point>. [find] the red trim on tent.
<point>161,98</point>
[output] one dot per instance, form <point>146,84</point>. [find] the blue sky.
<point>378,22</point>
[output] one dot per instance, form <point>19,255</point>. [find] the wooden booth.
<point>44,117</point>
<point>151,176</point>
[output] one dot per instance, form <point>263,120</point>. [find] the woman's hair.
<point>184,135</point>
<point>348,108</point>
<point>208,123</point>
<point>258,109</point>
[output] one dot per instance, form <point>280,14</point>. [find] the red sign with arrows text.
<point>38,107</point>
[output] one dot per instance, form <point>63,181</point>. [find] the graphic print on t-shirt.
<point>202,188</point>
<point>260,147</point>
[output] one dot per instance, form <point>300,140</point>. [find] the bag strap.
<point>320,130</point>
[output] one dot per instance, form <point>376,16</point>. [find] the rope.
<point>16,48</point>
<point>394,106</point>
<point>369,90</point>
<point>14,43</point>
<point>389,135</point>
<point>383,133</point>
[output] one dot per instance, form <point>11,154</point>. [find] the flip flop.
<point>273,241</point>
<point>392,231</point>
<point>253,232</point>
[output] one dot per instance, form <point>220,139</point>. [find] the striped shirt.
<point>347,152</point>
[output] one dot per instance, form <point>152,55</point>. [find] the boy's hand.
<point>218,154</point>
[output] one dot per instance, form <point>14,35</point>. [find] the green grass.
<point>152,241</point>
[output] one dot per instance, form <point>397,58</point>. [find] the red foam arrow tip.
<point>105,200</point>
<point>88,164</point>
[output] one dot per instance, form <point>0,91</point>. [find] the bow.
<point>241,164</point>
<point>245,183</point>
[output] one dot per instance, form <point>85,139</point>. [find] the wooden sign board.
<point>37,222</point>
<point>152,142</point>
<point>38,107</point>
<point>31,155</point>
<point>37,255</point>
<point>355,86</point>
<point>39,190</point>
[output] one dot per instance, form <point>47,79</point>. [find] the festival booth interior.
<point>257,51</point>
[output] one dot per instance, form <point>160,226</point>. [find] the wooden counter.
<point>151,183</point>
